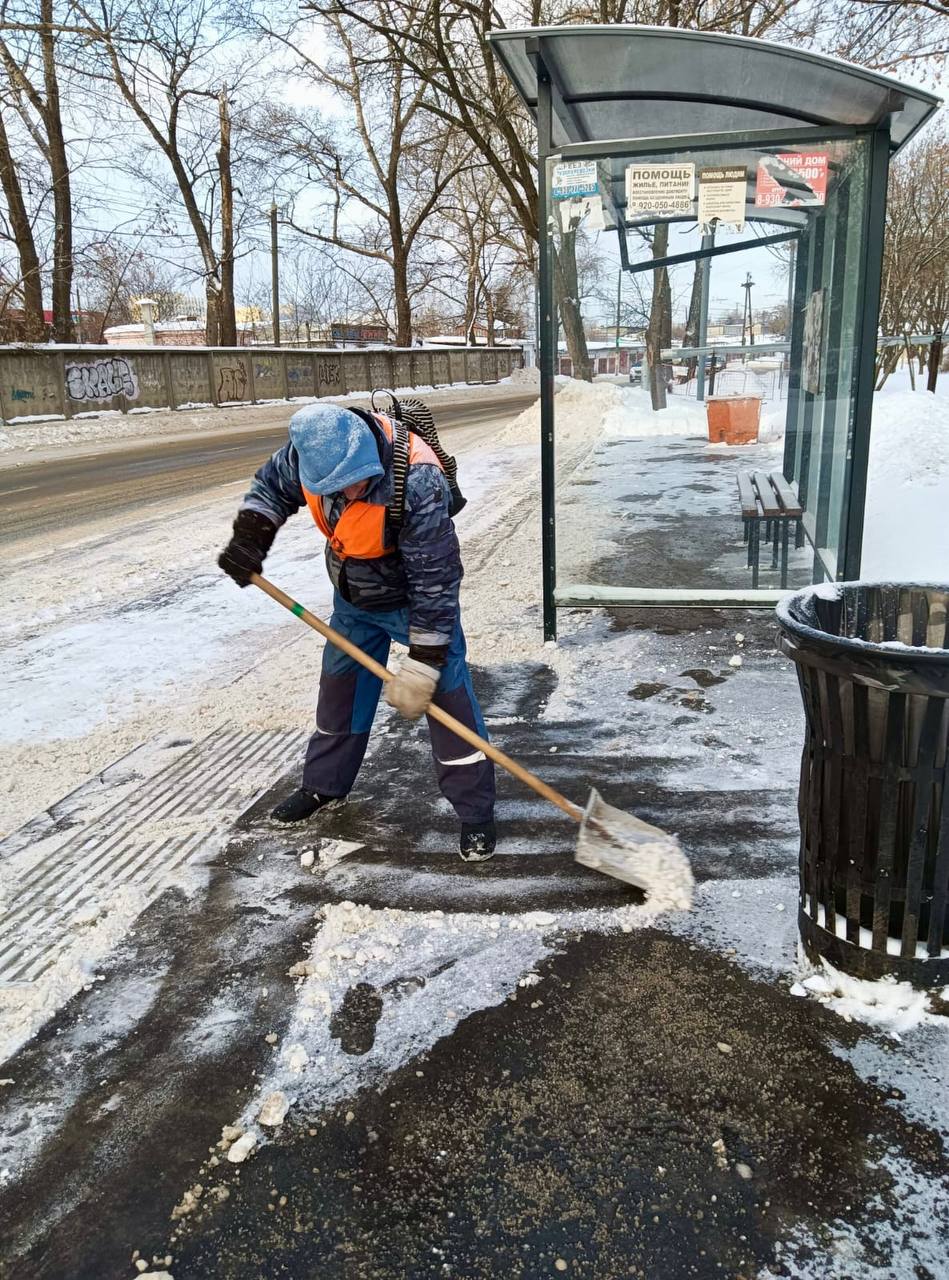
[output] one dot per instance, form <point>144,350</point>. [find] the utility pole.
<point>619,303</point>
<point>701,340</point>
<point>746,323</point>
<point>274,274</point>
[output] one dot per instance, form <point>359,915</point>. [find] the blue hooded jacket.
<point>325,454</point>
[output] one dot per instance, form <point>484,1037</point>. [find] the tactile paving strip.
<point>140,841</point>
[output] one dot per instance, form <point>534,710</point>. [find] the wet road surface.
<point>67,491</point>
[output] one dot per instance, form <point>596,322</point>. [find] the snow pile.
<point>892,1006</point>
<point>594,409</point>
<point>620,845</point>
<point>906,533</point>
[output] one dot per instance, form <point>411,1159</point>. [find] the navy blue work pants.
<point>349,695</point>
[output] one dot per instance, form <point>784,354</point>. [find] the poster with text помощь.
<point>791,180</point>
<point>663,189</point>
<point>722,191</point>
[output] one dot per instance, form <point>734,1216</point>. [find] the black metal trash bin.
<point>873,665</point>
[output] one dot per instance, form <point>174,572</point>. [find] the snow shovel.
<point>610,840</point>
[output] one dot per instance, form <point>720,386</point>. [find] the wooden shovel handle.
<point>468,735</point>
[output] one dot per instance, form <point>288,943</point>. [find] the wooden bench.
<point>770,501</point>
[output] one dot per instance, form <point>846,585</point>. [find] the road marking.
<point>21,488</point>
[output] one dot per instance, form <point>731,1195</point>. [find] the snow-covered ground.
<point>906,530</point>
<point>130,631</point>
<point>163,646</point>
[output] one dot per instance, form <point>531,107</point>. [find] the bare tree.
<point>26,284</point>
<point>915,286</point>
<point>486,263</point>
<point>169,62</point>
<point>886,34</point>
<point>113,276</point>
<point>383,168</point>
<point>31,37</point>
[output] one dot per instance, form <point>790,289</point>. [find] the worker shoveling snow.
<point>616,843</point>
<point>383,493</point>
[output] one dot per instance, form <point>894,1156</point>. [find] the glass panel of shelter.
<point>646,500</point>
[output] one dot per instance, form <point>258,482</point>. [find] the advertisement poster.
<point>813,333</point>
<point>722,197</point>
<point>590,210</point>
<point>574,178</point>
<point>791,180</point>
<point>663,189</point>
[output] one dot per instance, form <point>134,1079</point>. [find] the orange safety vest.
<point>360,529</point>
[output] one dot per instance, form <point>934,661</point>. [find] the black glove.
<point>435,655</point>
<point>245,553</point>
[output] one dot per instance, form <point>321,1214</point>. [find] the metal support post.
<point>548,355</point>
<point>868,319</point>
<point>619,303</point>
<point>708,242</point>
<point>274,274</point>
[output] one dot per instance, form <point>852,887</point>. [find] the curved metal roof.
<point>647,82</point>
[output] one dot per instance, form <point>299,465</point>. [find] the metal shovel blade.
<point>631,850</point>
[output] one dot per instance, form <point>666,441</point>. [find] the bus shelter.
<point>662,149</point>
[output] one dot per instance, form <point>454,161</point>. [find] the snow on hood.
<point>335,448</point>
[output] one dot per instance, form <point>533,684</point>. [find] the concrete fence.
<point>65,381</point>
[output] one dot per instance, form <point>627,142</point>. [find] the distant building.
<point>358,332</point>
<point>87,325</point>
<point>183,331</point>
<point>605,357</point>
<point>179,332</point>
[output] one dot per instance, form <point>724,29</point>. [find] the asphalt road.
<point>71,491</point>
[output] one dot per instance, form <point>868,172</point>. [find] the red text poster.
<point>791,180</point>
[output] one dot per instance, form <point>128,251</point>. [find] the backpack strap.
<point>400,471</point>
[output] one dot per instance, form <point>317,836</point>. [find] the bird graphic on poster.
<point>797,190</point>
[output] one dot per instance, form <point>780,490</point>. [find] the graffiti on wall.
<point>329,372</point>
<point>102,379</point>
<point>232,382</point>
<point>21,393</point>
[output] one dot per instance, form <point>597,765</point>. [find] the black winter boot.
<point>301,805</point>
<point>478,840</point>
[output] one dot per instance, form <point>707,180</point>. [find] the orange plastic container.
<point>733,419</point>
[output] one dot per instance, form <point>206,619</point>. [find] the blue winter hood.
<point>335,448</point>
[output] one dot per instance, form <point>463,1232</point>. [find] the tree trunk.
<point>212,326</point>
<point>566,288</point>
<point>695,309</point>
<point>227,321</point>
<point>659,330</point>
<point>62,194</point>
<point>471,305</point>
<point>489,315</point>
<point>34,326</point>
<point>403,309</point>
